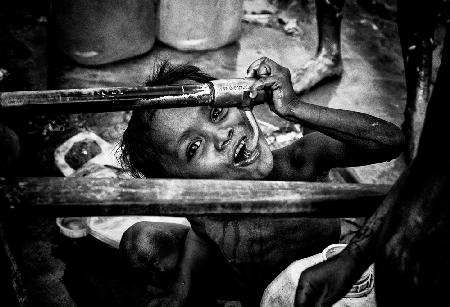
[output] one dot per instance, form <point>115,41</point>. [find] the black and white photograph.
<point>224,153</point>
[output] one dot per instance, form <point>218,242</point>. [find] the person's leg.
<point>416,30</point>
<point>412,265</point>
<point>327,61</point>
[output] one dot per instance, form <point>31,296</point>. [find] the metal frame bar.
<point>59,196</point>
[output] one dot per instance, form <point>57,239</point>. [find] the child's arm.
<point>343,138</point>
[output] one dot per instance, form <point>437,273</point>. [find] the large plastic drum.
<point>93,32</point>
<point>199,24</point>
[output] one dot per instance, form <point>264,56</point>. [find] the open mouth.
<point>243,157</point>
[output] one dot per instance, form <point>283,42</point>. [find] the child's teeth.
<point>238,149</point>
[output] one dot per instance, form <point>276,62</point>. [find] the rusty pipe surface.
<point>218,93</point>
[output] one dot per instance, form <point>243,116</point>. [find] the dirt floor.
<point>372,82</point>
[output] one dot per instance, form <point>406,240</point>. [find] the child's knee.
<point>146,243</point>
<point>135,243</point>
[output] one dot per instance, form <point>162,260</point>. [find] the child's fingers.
<point>264,70</point>
<point>265,67</point>
<point>270,82</point>
<point>252,69</point>
<point>262,67</point>
<point>273,67</point>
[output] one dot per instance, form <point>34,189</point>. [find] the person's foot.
<point>321,67</point>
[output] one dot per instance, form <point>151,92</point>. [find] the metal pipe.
<point>218,93</point>
<point>106,99</point>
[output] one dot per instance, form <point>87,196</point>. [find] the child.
<point>203,142</point>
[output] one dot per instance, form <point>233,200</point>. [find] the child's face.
<point>201,142</point>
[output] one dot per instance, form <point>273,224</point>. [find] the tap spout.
<point>250,120</point>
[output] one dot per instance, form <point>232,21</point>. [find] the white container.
<point>94,32</point>
<point>198,24</point>
<point>72,227</point>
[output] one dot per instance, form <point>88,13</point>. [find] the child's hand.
<point>275,78</point>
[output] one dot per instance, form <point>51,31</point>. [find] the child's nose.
<point>223,138</point>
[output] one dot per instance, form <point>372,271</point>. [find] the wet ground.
<point>372,83</point>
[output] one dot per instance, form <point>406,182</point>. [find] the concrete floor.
<point>372,83</point>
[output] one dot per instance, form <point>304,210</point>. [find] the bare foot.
<point>321,67</point>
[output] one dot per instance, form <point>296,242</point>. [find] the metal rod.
<point>107,99</point>
<point>218,93</point>
<point>59,196</point>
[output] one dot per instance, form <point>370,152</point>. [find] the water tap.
<point>236,92</point>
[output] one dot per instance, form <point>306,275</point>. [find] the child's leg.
<point>327,61</point>
<point>416,29</point>
<point>191,269</point>
<point>153,247</point>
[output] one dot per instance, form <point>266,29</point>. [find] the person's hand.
<point>327,282</point>
<point>277,80</point>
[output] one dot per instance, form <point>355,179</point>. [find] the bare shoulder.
<point>297,161</point>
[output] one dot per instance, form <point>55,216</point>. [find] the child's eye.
<point>192,149</point>
<point>216,114</point>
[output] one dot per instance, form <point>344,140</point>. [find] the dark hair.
<point>138,154</point>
